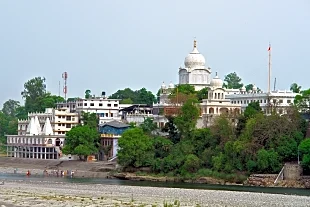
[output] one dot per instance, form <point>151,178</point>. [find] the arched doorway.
<point>224,111</point>
<point>211,110</point>
<point>57,142</point>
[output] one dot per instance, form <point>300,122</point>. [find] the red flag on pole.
<point>269,48</point>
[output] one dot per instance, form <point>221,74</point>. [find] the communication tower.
<point>65,89</point>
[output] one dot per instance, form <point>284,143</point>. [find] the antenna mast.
<point>65,77</point>
<point>269,67</point>
<point>59,89</point>
<point>274,84</point>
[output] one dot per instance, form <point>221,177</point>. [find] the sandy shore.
<point>39,193</point>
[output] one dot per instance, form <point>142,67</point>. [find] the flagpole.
<point>269,67</point>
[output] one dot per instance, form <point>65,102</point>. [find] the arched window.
<point>49,141</point>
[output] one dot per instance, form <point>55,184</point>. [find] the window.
<point>73,119</point>
<point>281,101</point>
<point>109,105</point>
<point>106,114</point>
<point>63,125</point>
<point>59,117</point>
<point>68,118</point>
<point>68,125</point>
<point>59,124</point>
<point>100,104</point>
<point>111,114</point>
<point>115,105</point>
<point>288,101</point>
<point>49,141</point>
<point>85,104</point>
<point>92,104</point>
<point>265,101</point>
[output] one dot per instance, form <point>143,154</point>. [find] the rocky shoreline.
<point>38,194</point>
<point>259,180</point>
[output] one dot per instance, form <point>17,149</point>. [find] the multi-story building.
<point>275,101</point>
<point>61,119</point>
<point>106,109</point>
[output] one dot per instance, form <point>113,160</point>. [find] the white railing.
<point>280,174</point>
<point>113,158</point>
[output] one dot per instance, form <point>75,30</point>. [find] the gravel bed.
<point>44,193</point>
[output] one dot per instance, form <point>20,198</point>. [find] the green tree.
<point>252,109</point>
<point>148,125</point>
<point>36,97</point>
<point>268,161</point>
<point>249,87</point>
<point>187,119</point>
<point>90,119</point>
<point>10,107</point>
<point>145,97</point>
<point>172,130</point>
<point>80,140</point>
<point>304,149</point>
<point>302,101</point>
<point>34,90</point>
<point>21,113</point>
<point>126,101</point>
<point>232,80</point>
<point>184,89</point>
<point>135,149</point>
<point>87,94</point>
<point>141,96</point>
<point>295,88</point>
<point>192,163</point>
<point>202,94</point>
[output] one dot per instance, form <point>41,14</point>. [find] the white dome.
<point>243,89</point>
<point>163,86</point>
<point>195,59</point>
<point>171,85</point>
<point>216,82</point>
<point>254,88</point>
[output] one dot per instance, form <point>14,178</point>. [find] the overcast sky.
<point>109,45</point>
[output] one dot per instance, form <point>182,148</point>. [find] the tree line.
<point>231,148</point>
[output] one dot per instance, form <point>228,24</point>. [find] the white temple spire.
<point>37,124</point>
<point>47,130</point>
<point>33,130</point>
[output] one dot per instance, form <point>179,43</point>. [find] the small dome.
<point>163,86</point>
<point>243,89</point>
<point>216,82</point>
<point>195,59</point>
<point>254,88</point>
<point>171,85</point>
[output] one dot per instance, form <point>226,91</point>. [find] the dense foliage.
<point>129,96</point>
<point>257,143</point>
<point>36,97</point>
<point>81,140</point>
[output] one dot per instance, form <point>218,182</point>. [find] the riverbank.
<point>36,167</point>
<point>22,193</point>
<point>107,170</point>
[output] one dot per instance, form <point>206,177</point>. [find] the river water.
<point>272,190</point>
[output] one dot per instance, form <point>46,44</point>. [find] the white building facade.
<point>106,109</point>
<point>62,120</point>
<point>36,143</point>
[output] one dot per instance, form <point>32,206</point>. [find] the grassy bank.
<point>237,178</point>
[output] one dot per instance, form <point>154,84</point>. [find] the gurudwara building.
<point>220,100</point>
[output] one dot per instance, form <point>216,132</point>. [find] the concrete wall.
<point>292,171</point>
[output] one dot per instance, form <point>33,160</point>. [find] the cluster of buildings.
<point>42,135</point>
